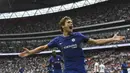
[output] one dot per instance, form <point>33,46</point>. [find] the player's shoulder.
<point>76,32</point>
<point>57,38</point>
<point>58,55</point>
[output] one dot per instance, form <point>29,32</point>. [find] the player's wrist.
<point>113,39</point>
<point>30,53</point>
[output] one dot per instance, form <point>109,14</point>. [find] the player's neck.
<point>65,34</point>
<point>54,56</point>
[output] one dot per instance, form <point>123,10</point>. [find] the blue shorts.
<point>76,70</point>
<point>125,71</point>
<point>57,71</point>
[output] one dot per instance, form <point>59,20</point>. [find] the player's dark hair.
<point>62,21</point>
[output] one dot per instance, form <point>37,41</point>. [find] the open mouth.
<point>70,27</point>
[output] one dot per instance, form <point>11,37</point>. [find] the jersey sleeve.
<point>83,37</point>
<point>52,43</point>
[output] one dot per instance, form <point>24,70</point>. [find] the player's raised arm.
<point>115,38</point>
<point>28,52</point>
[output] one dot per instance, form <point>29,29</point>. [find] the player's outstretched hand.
<point>118,38</point>
<point>44,65</point>
<point>25,53</point>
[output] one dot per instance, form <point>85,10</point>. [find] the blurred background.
<point>31,23</point>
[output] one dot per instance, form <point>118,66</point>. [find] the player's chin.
<point>71,30</point>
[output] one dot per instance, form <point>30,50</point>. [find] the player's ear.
<point>62,26</point>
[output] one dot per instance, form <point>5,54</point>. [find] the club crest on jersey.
<point>73,40</point>
<point>60,43</point>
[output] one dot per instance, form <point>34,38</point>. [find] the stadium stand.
<point>33,64</point>
<point>90,15</point>
<point>24,5</point>
<point>14,46</point>
<point>83,17</point>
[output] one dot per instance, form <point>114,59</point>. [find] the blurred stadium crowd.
<point>16,46</point>
<point>112,59</point>
<point>82,17</point>
<point>12,64</point>
<point>99,13</point>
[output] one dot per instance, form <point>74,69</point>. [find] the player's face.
<point>54,54</point>
<point>68,27</point>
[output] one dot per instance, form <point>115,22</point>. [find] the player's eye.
<point>69,22</point>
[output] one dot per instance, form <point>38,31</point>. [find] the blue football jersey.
<point>124,67</point>
<point>70,47</point>
<point>56,62</point>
